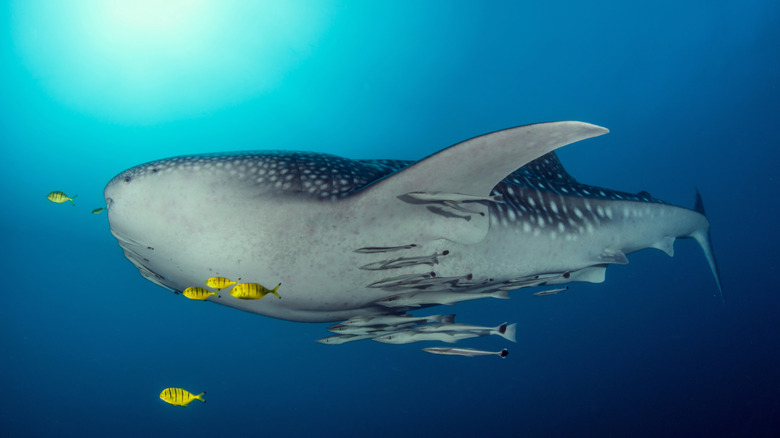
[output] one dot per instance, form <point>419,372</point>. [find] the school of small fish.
<point>390,329</point>
<point>406,328</point>
<point>242,291</point>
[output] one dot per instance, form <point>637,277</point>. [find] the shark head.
<point>341,235</point>
<point>184,219</point>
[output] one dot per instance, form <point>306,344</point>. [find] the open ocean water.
<point>689,89</point>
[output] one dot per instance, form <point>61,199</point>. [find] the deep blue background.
<point>690,91</point>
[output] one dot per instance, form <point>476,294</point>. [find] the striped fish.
<point>179,397</point>
<point>60,197</point>
<point>220,282</point>
<point>253,291</point>
<point>197,293</point>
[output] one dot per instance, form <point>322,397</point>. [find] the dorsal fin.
<point>445,195</point>
<point>699,204</point>
<point>547,167</point>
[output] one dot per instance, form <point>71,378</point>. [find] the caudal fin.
<point>273,291</point>
<point>705,241</point>
<point>72,198</point>
<point>448,319</point>
<point>200,396</point>
<point>507,331</point>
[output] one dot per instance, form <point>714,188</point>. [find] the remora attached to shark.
<point>496,212</point>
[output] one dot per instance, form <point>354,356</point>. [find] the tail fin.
<point>507,331</point>
<point>503,353</point>
<point>72,198</point>
<point>705,241</point>
<point>200,396</point>
<point>448,319</point>
<point>273,291</point>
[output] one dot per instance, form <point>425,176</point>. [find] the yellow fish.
<point>180,397</point>
<point>197,293</point>
<point>252,291</point>
<point>60,197</point>
<point>98,210</point>
<point>220,282</point>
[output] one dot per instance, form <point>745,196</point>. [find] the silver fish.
<point>392,320</point>
<point>343,339</point>
<point>409,336</point>
<point>375,331</point>
<point>503,330</point>
<point>469,352</point>
<point>550,292</point>
<point>418,299</point>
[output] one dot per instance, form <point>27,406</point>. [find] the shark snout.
<point>110,194</point>
<point>118,185</point>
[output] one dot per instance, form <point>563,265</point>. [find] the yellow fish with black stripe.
<point>180,397</point>
<point>253,291</point>
<point>60,197</point>
<point>220,282</point>
<point>198,293</point>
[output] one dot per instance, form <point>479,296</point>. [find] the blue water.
<point>691,94</point>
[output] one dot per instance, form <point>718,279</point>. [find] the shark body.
<point>494,213</point>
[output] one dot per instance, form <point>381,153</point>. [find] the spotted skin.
<point>320,176</point>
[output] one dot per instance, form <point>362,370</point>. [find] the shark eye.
<point>127,179</point>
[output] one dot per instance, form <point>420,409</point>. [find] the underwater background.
<point>690,92</point>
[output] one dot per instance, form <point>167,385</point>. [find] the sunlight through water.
<point>146,61</point>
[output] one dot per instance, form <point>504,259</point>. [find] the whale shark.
<point>494,213</point>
